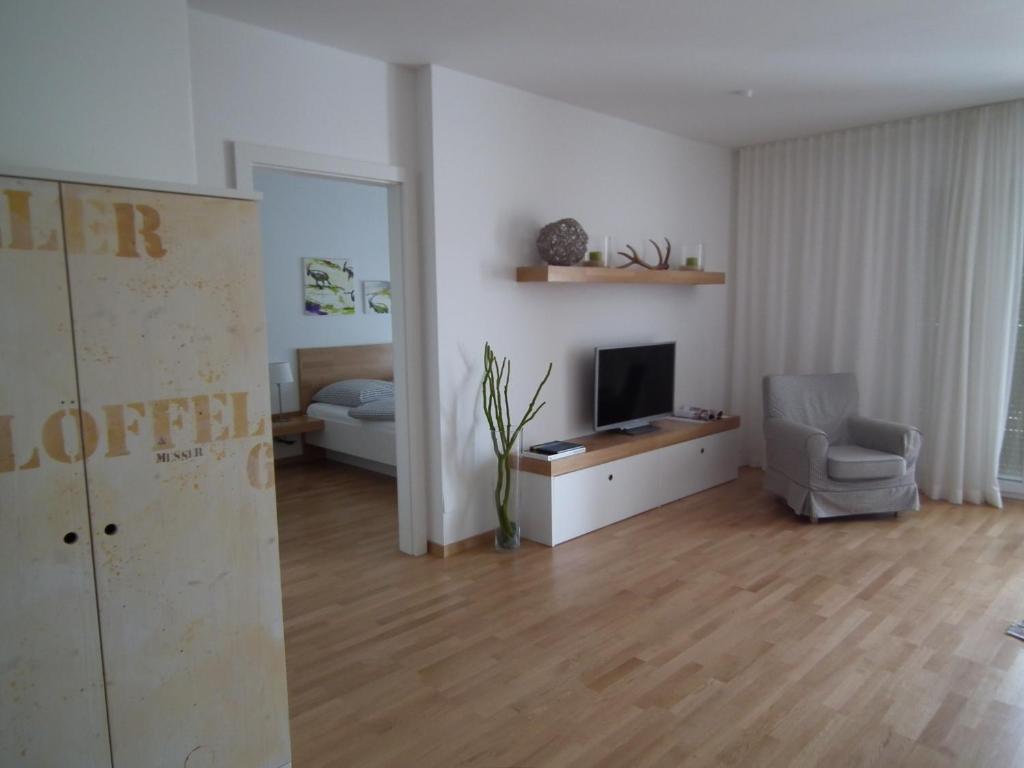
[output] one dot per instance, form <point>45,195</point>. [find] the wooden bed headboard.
<point>320,366</point>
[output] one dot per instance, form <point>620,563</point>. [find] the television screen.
<point>633,384</point>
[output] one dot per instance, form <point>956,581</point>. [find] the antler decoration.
<point>634,258</point>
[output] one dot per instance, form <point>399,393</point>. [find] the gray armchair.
<point>827,461</point>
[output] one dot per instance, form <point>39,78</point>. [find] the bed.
<point>368,444</point>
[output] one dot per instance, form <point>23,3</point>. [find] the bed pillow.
<point>378,410</point>
<point>352,393</point>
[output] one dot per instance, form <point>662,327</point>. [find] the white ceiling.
<point>814,65</point>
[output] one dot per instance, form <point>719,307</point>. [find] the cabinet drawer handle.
<point>702,450</point>
<point>610,477</point>
<point>110,529</point>
<point>70,537</point>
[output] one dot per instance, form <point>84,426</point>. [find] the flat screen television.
<point>633,385</point>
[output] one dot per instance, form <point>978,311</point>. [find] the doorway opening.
<point>342,298</point>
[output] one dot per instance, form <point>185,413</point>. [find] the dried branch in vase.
<point>505,433</point>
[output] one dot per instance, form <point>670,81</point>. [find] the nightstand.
<point>297,424</point>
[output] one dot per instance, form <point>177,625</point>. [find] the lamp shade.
<point>281,373</point>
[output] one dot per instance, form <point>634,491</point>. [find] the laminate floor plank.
<point>718,630</point>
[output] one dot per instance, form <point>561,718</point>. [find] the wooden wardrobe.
<point>140,595</point>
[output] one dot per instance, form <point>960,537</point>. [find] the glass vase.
<point>503,541</point>
<point>692,257</point>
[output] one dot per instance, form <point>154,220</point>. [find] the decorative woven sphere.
<point>562,242</point>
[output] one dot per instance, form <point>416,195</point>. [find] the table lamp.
<point>280,373</point>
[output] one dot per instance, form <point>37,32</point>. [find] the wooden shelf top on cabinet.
<point>603,447</point>
<point>545,273</point>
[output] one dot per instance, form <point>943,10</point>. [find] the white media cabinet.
<point>621,475</point>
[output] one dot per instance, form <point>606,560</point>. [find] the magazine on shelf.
<point>696,413</point>
<point>556,449</point>
<point>1016,630</point>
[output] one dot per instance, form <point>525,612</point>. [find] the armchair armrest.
<point>796,450</point>
<point>886,436</point>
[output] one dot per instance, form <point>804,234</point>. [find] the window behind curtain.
<point>1011,462</point>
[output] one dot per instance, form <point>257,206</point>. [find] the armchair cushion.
<point>824,401</point>
<point>852,462</point>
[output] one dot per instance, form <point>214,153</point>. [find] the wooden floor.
<point>720,630</point>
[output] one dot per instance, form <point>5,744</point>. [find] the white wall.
<point>306,216</point>
<point>500,163</point>
<point>431,373</point>
<point>505,163</point>
<point>250,84</point>
<point>97,87</point>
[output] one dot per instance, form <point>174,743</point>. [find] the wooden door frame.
<point>406,290</point>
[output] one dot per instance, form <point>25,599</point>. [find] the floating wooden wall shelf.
<point>547,274</point>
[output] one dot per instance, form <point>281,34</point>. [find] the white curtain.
<point>894,251</point>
